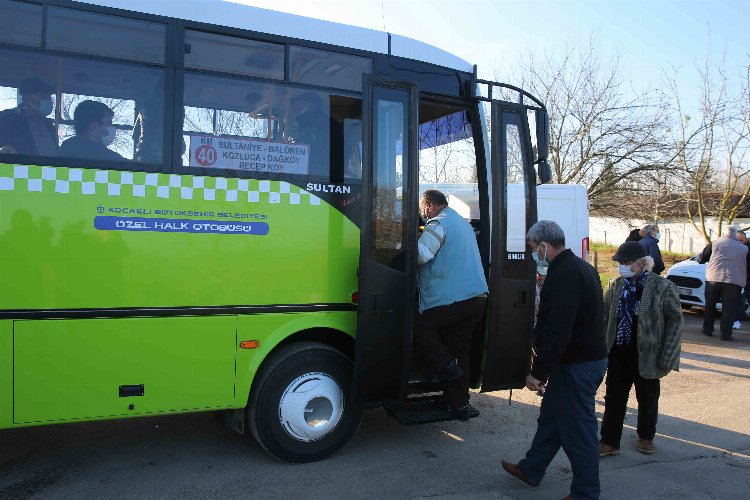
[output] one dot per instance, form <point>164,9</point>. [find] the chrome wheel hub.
<point>311,406</point>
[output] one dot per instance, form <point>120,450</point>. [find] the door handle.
<point>522,298</point>
<point>375,303</point>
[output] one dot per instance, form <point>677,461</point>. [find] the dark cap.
<point>34,85</point>
<point>629,251</point>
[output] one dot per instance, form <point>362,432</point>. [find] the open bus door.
<point>512,273</point>
<point>387,281</point>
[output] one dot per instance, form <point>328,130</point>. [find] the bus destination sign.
<point>257,155</point>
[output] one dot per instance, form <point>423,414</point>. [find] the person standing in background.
<point>635,235</point>
<point>650,242</point>
<point>742,238</point>
<point>726,274</point>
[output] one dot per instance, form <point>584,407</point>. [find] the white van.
<point>566,204</point>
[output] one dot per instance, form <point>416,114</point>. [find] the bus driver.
<point>452,297</point>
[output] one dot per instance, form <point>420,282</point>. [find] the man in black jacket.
<point>570,358</point>
<point>25,129</point>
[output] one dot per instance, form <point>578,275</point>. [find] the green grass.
<point>603,247</point>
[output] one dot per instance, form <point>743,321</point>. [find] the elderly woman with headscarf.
<point>643,327</point>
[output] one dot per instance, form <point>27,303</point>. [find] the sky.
<point>647,37</point>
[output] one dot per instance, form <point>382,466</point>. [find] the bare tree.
<point>712,150</point>
<point>602,134</point>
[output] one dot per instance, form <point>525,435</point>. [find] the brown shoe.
<point>646,446</point>
<point>514,470</point>
<point>606,450</point>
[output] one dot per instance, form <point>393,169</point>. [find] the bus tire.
<point>300,409</point>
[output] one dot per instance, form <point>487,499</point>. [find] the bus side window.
<point>128,91</point>
<point>228,123</point>
<point>262,128</point>
<point>148,129</point>
<point>346,139</point>
<point>71,81</point>
<point>309,124</point>
<point>41,94</point>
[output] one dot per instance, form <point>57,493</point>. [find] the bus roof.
<point>233,15</point>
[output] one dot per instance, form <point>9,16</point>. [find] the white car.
<point>690,278</point>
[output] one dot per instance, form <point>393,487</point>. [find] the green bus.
<point>206,206</point>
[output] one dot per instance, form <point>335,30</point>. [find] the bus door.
<point>387,262</point>
<point>512,273</point>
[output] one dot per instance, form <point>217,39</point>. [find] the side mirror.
<point>543,171</point>
<point>542,134</point>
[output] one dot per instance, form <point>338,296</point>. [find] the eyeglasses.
<point>627,263</point>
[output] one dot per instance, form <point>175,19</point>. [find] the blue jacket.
<point>455,273</point>
<point>651,245</point>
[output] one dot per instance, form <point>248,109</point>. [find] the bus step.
<point>417,388</point>
<point>418,384</point>
<point>421,413</point>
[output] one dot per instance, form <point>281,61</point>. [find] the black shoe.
<point>451,371</point>
<point>515,470</point>
<point>708,334</point>
<point>464,413</point>
<point>731,339</point>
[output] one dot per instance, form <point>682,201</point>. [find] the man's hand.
<point>533,384</point>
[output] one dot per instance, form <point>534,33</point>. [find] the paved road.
<point>703,450</point>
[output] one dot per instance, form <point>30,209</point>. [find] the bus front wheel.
<point>300,408</point>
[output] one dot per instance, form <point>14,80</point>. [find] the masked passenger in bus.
<point>26,129</point>
<point>309,124</point>
<point>92,121</point>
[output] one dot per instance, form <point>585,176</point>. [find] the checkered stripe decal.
<point>63,180</point>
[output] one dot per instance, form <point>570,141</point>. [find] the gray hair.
<point>648,263</point>
<point>651,229</point>
<point>731,232</point>
<point>546,230</point>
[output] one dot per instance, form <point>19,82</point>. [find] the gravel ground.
<point>703,449</point>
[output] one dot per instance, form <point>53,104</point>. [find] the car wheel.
<point>300,408</point>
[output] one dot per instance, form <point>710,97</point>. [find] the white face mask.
<point>46,106</point>
<point>109,137</point>
<point>542,264</point>
<point>625,271</point>
<point>657,236</point>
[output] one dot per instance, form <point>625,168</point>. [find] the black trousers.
<point>741,303</point>
<point>730,296</point>
<point>622,373</point>
<point>444,333</point>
